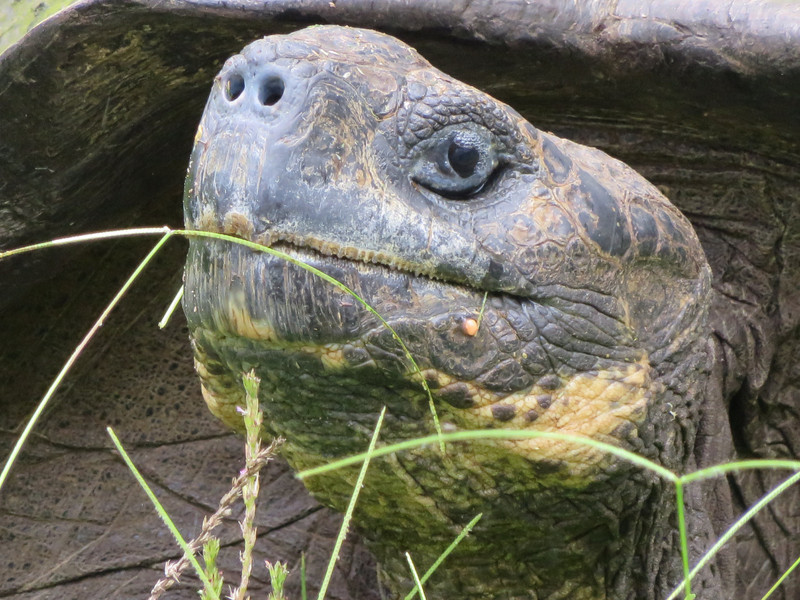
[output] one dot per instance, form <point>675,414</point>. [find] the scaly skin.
<point>346,149</point>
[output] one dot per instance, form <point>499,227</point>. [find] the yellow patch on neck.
<point>595,404</point>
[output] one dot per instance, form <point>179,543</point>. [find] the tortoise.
<point>98,114</point>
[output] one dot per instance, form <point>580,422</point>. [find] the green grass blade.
<point>741,521</point>
<point>303,592</point>
<point>740,465</point>
<point>88,237</point>
<point>350,507</point>
<point>444,555</point>
<point>171,309</point>
<point>681,507</point>
<point>253,419</point>
<point>497,434</point>
<point>23,438</point>
<point>209,588</point>
<point>417,582</point>
<point>483,307</point>
<point>780,581</point>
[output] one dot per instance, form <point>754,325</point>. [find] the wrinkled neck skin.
<point>427,198</point>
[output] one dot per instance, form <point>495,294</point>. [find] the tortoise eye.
<point>456,161</point>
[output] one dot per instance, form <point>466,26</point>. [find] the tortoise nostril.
<point>271,91</point>
<point>233,87</point>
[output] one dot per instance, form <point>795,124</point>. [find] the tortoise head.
<point>538,285</point>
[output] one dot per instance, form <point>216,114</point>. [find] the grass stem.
<point>483,308</point>
<point>208,586</point>
<point>749,514</point>
<point>681,507</point>
<point>417,582</point>
<point>781,579</point>
<point>303,591</point>
<point>252,417</point>
<point>171,309</point>
<point>495,434</point>
<point>467,528</point>
<point>350,507</point>
<point>89,237</point>
<point>23,438</point>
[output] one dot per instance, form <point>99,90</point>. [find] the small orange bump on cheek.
<point>469,326</point>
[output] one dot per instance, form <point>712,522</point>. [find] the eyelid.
<point>430,160</point>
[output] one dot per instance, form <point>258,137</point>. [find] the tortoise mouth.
<point>325,250</point>
<point>318,254</point>
<point>311,249</point>
<point>310,291</point>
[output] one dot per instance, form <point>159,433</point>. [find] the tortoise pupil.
<point>463,160</point>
